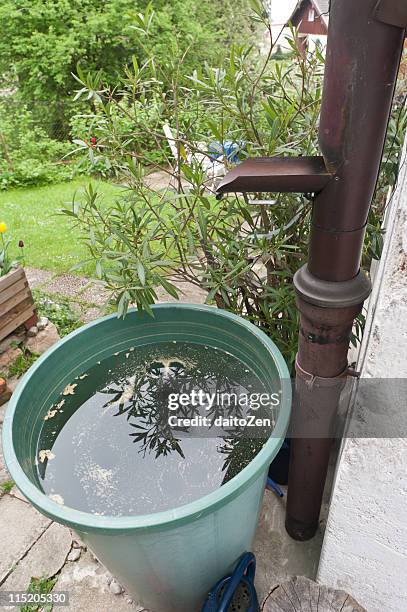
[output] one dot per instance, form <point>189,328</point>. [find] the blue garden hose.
<point>222,594</point>
<point>270,484</point>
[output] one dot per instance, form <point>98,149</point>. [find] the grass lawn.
<point>50,241</point>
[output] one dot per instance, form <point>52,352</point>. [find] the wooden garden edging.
<point>16,303</point>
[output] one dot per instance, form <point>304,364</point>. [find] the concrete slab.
<point>4,475</point>
<point>278,556</point>
<point>3,409</point>
<point>20,528</point>
<point>88,584</point>
<point>92,291</point>
<point>16,493</point>
<point>45,559</point>
<point>188,293</point>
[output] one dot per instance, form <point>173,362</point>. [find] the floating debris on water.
<point>114,451</point>
<point>45,454</point>
<point>127,394</point>
<point>69,389</point>
<point>50,414</point>
<point>58,499</point>
<point>83,376</point>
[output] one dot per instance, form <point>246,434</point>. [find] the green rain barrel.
<point>168,560</point>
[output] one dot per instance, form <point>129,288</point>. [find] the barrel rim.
<point>87,522</point>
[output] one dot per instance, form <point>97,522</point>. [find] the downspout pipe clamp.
<point>328,294</point>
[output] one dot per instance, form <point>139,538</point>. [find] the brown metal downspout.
<point>365,41</point>
<point>362,61</point>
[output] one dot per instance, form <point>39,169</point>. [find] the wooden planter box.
<point>16,303</point>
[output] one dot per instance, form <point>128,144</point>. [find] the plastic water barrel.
<point>169,560</point>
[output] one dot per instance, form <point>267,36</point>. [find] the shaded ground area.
<point>35,546</point>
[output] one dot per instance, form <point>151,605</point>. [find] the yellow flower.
<point>3,227</point>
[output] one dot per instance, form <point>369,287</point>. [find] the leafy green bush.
<point>7,486</point>
<point>42,42</point>
<point>40,48</point>
<point>28,156</point>
<point>86,127</point>
<point>244,254</point>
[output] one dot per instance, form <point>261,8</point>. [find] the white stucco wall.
<point>365,546</point>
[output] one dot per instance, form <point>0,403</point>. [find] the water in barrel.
<point>153,428</point>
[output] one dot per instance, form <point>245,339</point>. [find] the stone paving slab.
<point>20,527</point>
<point>69,285</point>
<point>15,492</point>
<point>4,475</point>
<point>87,581</point>
<point>278,556</point>
<point>43,560</point>
<point>88,584</point>
<point>3,409</point>
<point>188,293</point>
<point>160,180</point>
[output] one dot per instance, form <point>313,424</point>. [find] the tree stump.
<point>300,594</point>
